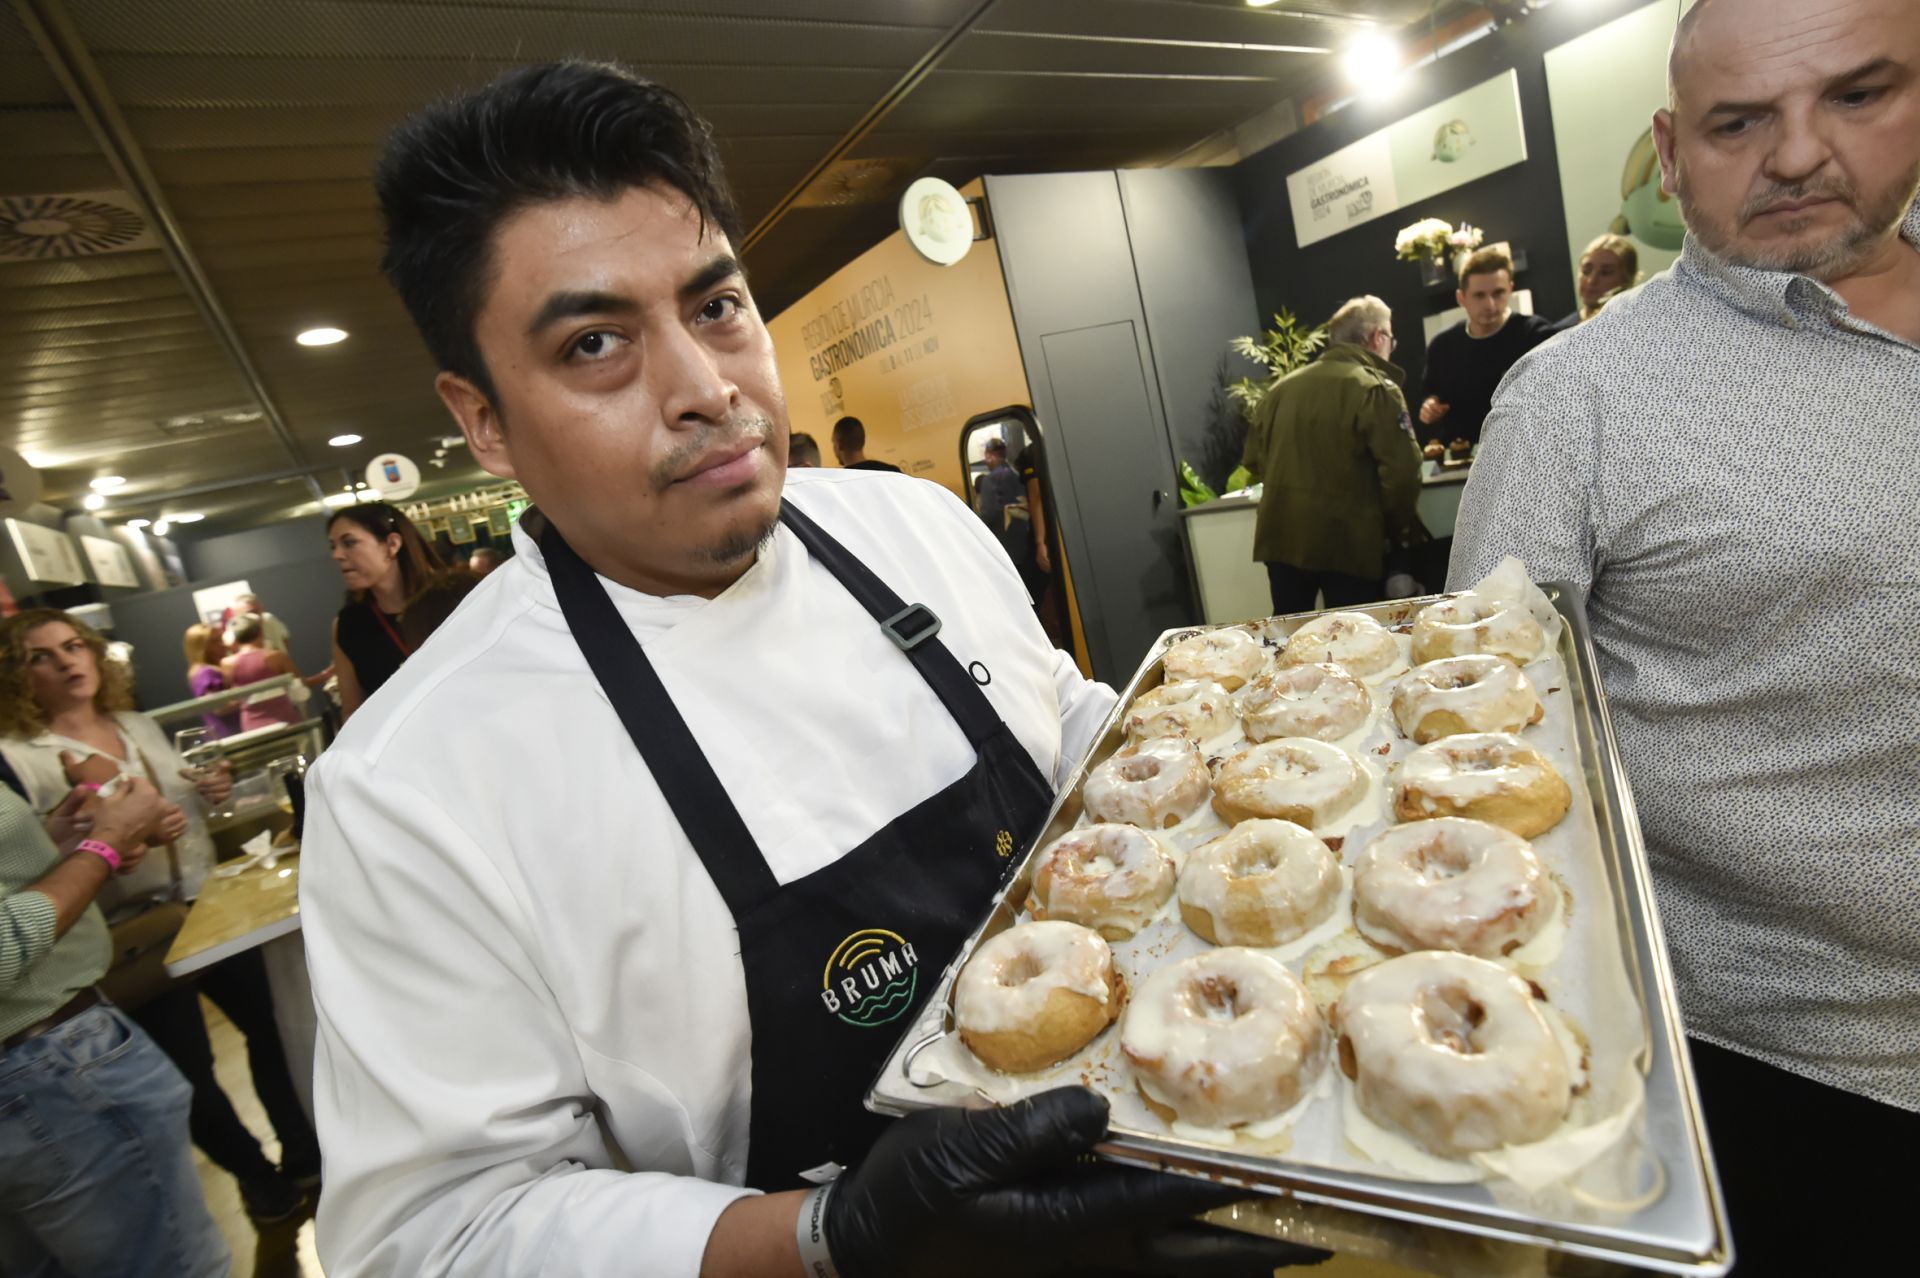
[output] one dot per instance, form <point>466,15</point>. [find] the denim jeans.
<point>96,1175</point>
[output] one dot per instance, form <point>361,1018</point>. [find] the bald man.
<point>1726,464</point>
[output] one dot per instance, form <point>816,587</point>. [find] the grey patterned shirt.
<point>1729,463</point>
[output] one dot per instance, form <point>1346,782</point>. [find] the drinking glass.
<point>202,757</point>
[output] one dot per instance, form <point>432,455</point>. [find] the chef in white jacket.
<point>618,893</point>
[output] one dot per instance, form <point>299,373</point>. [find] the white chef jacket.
<point>526,981</point>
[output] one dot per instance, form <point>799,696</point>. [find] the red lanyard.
<point>392,634</point>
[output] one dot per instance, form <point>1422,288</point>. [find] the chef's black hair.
<point>454,171</point>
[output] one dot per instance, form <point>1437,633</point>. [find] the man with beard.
<point>1726,463</point>
<point>580,997</point>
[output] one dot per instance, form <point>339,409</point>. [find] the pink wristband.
<point>105,851</point>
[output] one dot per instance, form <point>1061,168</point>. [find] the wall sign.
<point>47,554</point>
<point>937,221</point>
<point>1453,142</point>
<point>393,476</point>
<point>460,528</point>
<point>500,521</point>
<point>110,562</point>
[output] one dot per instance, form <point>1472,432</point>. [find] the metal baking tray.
<point>1683,1231</point>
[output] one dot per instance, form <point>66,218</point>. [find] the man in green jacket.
<point>1335,447</point>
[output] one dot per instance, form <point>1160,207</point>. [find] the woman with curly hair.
<point>398,593</point>
<point>66,716</point>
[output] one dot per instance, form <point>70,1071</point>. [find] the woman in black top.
<point>398,593</point>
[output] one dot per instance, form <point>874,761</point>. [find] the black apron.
<point>839,962</point>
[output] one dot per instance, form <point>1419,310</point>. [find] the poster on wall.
<point>47,554</point>
<point>213,604</point>
<point>111,566</point>
<point>460,528</point>
<point>1605,87</point>
<point>500,522</point>
<point>910,348</point>
<point>1451,143</point>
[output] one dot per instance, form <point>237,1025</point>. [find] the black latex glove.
<point>1003,1193</point>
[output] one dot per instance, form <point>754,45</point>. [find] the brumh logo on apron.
<point>871,978</point>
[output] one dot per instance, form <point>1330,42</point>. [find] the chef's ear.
<point>479,422</point>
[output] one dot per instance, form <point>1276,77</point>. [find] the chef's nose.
<point>694,389</point>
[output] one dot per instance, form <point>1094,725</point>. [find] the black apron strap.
<point>942,671</point>
<point>699,802</point>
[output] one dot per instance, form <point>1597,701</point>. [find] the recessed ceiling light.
<point>1372,63</point>
<point>342,441</point>
<point>186,519</point>
<point>242,416</point>
<point>106,483</point>
<point>162,528</point>
<point>337,500</point>
<point>95,501</point>
<point>321,336</point>
<point>139,523</point>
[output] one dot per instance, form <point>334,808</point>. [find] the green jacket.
<point>1335,448</point>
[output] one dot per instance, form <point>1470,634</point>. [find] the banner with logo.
<point>911,348</point>
<point>1453,142</point>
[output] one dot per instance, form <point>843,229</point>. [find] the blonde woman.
<point>205,651</point>
<point>1610,265</point>
<point>66,715</point>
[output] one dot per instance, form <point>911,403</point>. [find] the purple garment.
<point>204,681</point>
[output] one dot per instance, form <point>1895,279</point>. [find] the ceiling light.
<point>1372,63</point>
<point>1261,4</point>
<point>139,523</point>
<point>95,501</point>
<point>342,441</point>
<point>162,528</point>
<point>337,500</point>
<point>185,519</point>
<point>321,336</point>
<point>106,483</point>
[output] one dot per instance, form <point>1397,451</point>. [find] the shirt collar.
<point>1780,296</point>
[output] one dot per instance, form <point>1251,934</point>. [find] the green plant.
<point>1287,346</point>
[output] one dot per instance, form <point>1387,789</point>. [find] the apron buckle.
<point>912,626</point>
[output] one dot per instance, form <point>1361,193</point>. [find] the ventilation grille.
<point>185,425</point>
<point>855,182</point>
<point>37,227</point>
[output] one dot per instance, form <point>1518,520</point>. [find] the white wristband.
<point>811,1234</point>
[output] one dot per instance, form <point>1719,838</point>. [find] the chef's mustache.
<point>724,434</point>
<point>1834,188</point>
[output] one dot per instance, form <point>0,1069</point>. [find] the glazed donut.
<point>1228,657</point>
<point>1319,700</point>
<point>1154,783</point>
<point>1293,779</point>
<point>1489,776</point>
<point>1450,884</point>
<point>1464,694</point>
<point>1470,623</point>
<point>1262,883</point>
<point>1111,878</point>
<point>1224,1039</point>
<point>1198,710</point>
<point>1350,639</point>
<point>1454,1052</point>
<point>1035,994</point>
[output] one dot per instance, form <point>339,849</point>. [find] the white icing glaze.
<point>1488,694</point>
<point>1471,766</point>
<point>1350,639</point>
<point>1264,883</point>
<point>1199,710</point>
<point>1288,777</point>
<point>1450,884</point>
<point>1319,700</point>
<point>1256,1133</point>
<point>1153,783</point>
<point>1453,1052</point>
<point>1112,878</point>
<point>1225,1038</point>
<point>1229,657</point>
<point>1006,983</point>
<point>1470,623</point>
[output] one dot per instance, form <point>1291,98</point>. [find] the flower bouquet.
<point>1436,246</point>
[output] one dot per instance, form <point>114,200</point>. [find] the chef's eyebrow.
<point>717,271</point>
<point>571,303</point>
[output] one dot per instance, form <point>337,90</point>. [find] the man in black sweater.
<point>1466,362</point>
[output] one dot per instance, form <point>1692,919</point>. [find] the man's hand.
<point>214,782</point>
<point>1432,410</point>
<point>172,823</point>
<point>1041,558</point>
<point>1006,1193</point>
<point>72,821</point>
<point>123,819</point>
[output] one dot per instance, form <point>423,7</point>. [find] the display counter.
<point>1233,585</point>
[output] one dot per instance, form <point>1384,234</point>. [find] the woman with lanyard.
<point>599,892</point>
<point>67,717</point>
<point>398,593</point>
